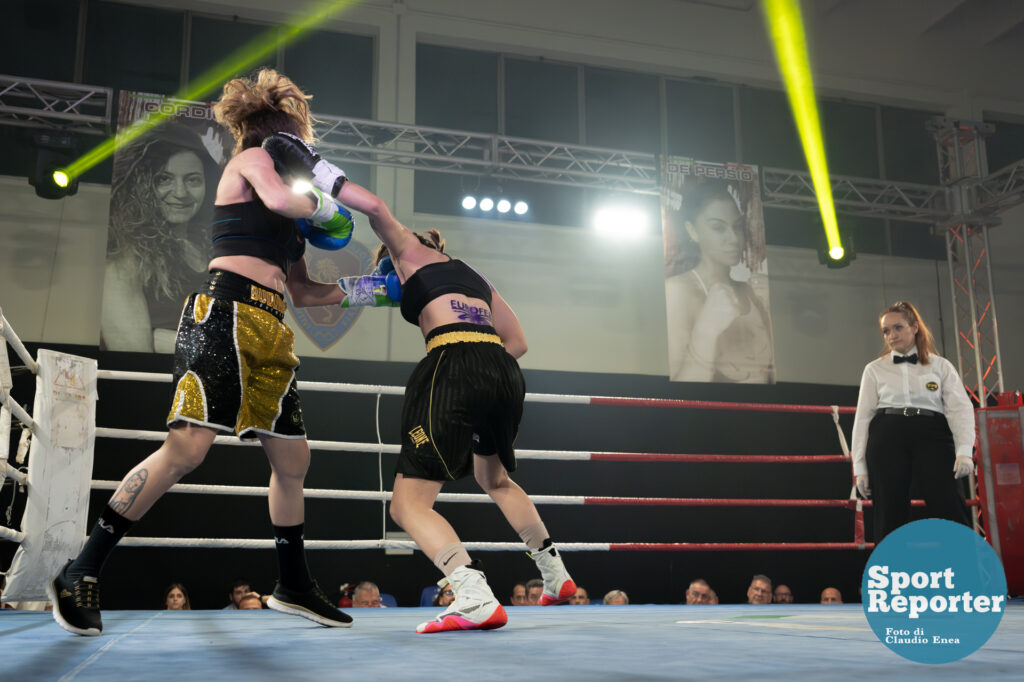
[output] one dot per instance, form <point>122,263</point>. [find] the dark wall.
<point>134,577</point>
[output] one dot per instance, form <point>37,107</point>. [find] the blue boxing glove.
<point>371,290</point>
<point>384,267</point>
<point>321,238</point>
<point>332,218</point>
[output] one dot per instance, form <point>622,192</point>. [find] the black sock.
<point>109,530</point>
<point>291,558</point>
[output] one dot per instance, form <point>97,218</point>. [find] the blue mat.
<point>799,642</point>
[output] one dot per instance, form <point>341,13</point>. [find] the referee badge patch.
<point>932,386</point>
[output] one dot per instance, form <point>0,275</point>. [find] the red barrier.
<point>1001,488</point>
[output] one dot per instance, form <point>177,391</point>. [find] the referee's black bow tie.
<point>912,359</point>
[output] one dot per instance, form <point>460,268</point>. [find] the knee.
<point>491,480</point>
<point>396,510</point>
<point>185,456</point>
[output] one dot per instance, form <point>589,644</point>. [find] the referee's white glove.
<point>862,486</point>
<point>963,466</point>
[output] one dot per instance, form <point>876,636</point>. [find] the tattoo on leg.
<point>125,496</point>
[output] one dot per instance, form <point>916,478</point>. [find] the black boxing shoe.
<point>312,604</point>
<point>76,603</point>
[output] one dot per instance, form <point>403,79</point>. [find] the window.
<point>456,89</point>
<point>851,140</point>
<point>909,148</point>
<point>769,136</point>
<point>1005,145</point>
<point>700,121</point>
<point>337,69</point>
<point>622,110</point>
<point>38,39</point>
<point>133,48</point>
<point>214,40</point>
<point>541,101</point>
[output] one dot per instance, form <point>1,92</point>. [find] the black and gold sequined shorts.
<point>234,361</point>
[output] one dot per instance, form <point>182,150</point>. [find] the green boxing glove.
<point>371,290</point>
<point>331,217</point>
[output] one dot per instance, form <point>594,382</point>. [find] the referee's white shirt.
<point>935,386</point>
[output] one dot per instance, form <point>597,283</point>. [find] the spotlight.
<point>486,204</point>
<point>521,207</point>
<point>622,221</point>
<point>468,202</point>
<point>837,256</point>
<point>504,206</point>
<point>302,186</point>
<point>54,151</point>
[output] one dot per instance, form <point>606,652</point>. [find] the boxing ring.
<point>565,642</point>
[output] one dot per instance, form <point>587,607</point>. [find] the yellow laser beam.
<point>241,59</point>
<point>788,39</point>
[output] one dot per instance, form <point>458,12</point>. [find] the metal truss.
<point>1001,190</point>
<point>857,196</point>
<point>51,105</point>
<point>452,151</point>
<point>961,156</point>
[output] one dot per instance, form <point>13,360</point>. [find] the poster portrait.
<point>716,273</point>
<point>162,191</point>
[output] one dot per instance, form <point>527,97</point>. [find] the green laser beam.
<point>786,28</point>
<point>242,58</point>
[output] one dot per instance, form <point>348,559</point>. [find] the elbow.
<point>276,202</point>
<point>517,348</point>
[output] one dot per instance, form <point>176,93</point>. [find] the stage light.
<point>302,186</point>
<point>504,206</point>
<point>486,204</point>
<point>836,257</point>
<point>521,208</point>
<point>786,30</point>
<point>620,221</point>
<point>49,175</point>
<point>468,202</point>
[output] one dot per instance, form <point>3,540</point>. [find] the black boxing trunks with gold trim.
<point>234,361</point>
<point>465,397</point>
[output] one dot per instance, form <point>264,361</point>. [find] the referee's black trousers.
<point>916,448</point>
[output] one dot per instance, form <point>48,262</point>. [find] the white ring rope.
<point>7,471</point>
<point>245,543</point>
<point>330,494</point>
<point>18,411</point>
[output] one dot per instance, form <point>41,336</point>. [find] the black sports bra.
<point>249,228</point>
<point>437,279</point>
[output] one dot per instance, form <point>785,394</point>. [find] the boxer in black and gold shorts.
<point>465,397</point>
<point>234,361</point>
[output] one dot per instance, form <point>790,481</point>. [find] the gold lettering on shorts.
<point>267,298</point>
<point>419,437</point>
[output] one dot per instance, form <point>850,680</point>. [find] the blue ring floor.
<point>775,642</point>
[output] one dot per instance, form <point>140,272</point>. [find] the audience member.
<point>783,595</point>
<point>239,587</point>
<point>518,597</point>
<point>714,598</point>
<point>534,588</point>
<point>366,596</point>
<point>580,596</point>
<point>616,598</point>
<point>250,601</point>
<point>176,598</point>
<point>831,595</point>
<point>699,592</point>
<point>760,590</point>
<point>446,595</point>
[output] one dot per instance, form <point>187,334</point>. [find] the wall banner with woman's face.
<point>716,273</point>
<point>161,201</point>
